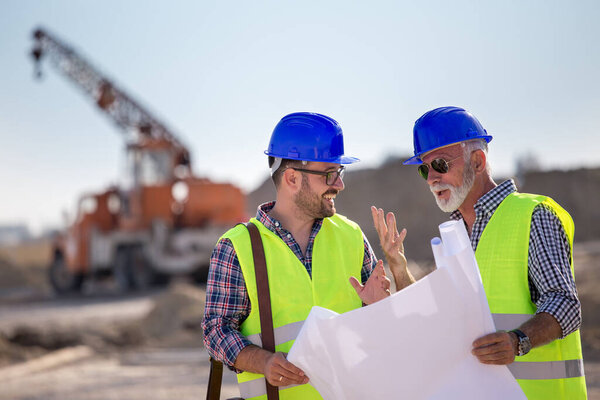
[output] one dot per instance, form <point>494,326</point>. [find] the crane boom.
<point>124,111</point>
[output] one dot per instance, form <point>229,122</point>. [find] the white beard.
<point>458,194</point>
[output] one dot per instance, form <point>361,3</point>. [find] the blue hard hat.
<point>442,127</point>
<point>309,137</point>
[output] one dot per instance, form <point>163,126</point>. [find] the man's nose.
<point>338,184</point>
<point>433,177</point>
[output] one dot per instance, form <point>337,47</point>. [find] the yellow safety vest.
<point>553,371</point>
<point>338,253</point>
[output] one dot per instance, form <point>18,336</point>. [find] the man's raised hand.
<point>392,244</point>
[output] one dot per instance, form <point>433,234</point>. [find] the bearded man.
<point>310,252</point>
<point>523,244</point>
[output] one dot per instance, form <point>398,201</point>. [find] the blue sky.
<point>221,74</point>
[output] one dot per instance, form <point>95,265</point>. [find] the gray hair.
<point>473,145</point>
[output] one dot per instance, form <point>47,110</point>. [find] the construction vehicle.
<point>165,222</point>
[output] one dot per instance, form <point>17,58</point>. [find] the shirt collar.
<point>489,202</point>
<point>262,215</point>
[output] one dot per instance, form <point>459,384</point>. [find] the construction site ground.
<point>105,345</point>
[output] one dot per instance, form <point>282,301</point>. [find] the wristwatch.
<point>524,342</point>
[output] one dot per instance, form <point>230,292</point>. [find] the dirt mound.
<point>11,353</point>
<point>176,317</point>
<point>173,321</point>
<point>26,342</point>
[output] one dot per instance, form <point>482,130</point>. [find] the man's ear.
<point>292,179</point>
<point>478,160</point>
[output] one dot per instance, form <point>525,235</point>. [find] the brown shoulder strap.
<point>214,380</point>
<point>266,318</point>
<point>264,299</point>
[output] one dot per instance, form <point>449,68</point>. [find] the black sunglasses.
<point>330,176</point>
<point>439,165</point>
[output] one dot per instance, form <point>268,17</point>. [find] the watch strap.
<point>520,334</point>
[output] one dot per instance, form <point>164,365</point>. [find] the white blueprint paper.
<point>415,344</point>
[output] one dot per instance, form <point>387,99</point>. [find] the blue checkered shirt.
<point>227,301</point>
<point>551,283</point>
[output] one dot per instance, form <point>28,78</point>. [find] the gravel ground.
<point>135,375</point>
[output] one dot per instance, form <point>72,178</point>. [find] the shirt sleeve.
<point>369,261</point>
<point>227,305</point>
<point>551,282</point>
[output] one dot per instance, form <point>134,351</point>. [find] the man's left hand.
<point>392,242</point>
<point>496,348</point>
<point>376,288</point>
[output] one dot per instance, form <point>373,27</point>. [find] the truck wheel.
<point>63,280</point>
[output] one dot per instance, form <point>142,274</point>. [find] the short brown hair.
<point>285,164</point>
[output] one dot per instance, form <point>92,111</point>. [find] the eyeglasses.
<point>439,165</point>
<point>330,176</point>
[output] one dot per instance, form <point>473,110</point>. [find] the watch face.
<point>524,346</point>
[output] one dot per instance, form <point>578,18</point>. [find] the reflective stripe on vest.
<point>554,370</point>
<point>283,334</point>
<point>547,370</point>
<point>338,253</point>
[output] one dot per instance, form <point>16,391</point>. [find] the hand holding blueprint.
<point>415,344</point>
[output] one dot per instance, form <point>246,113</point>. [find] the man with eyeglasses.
<point>311,253</point>
<point>523,245</point>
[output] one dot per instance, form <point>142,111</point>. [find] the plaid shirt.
<point>551,283</point>
<point>227,301</point>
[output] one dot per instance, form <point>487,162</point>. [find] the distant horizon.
<point>44,231</point>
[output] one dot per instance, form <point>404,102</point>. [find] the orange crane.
<point>164,223</point>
